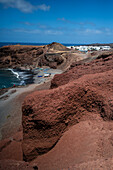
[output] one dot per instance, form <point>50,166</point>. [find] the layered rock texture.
<point>69,126</point>
<point>103,62</point>
<point>18,55</point>
<point>54,55</point>
<point>83,97</point>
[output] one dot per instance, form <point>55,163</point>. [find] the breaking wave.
<point>18,77</point>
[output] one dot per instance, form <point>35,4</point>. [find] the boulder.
<point>48,114</point>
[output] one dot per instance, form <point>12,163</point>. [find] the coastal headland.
<point>65,122</point>
<point>54,55</point>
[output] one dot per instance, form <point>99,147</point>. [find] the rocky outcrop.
<point>19,56</point>
<point>102,63</point>
<point>54,55</point>
<point>83,96</point>
<point>72,124</point>
<point>32,56</point>
<point>57,46</point>
<point>10,148</point>
<point>86,145</point>
<point>53,60</point>
<point>16,165</point>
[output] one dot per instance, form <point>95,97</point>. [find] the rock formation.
<point>57,46</point>
<point>18,55</point>
<point>102,63</point>
<point>69,126</point>
<point>85,93</point>
<point>53,55</point>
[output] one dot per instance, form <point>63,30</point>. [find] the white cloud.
<point>105,31</point>
<point>43,7</point>
<point>76,23</point>
<point>23,5</point>
<point>53,32</point>
<point>93,31</point>
<point>66,20</point>
<point>108,31</point>
<point>36,31</point>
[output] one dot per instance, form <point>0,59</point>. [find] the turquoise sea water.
<point>11,77</point>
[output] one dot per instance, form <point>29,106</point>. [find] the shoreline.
<point>24,77</point>
<point>10,109</point>
<point>10,105</point>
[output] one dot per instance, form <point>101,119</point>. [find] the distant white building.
<point>47,75</point>
<point>90,48</point>
<point>106,47</point>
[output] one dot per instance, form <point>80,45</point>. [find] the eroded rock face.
<point>54,55</point>
<point>18,55</point>
<point>102,63</point>
<point>48,114</point>
<point>32,56</point>
<point>53,60</point>
<point>14,165</point>
<point>57,46</point>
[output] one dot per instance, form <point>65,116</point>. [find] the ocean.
<point>11,77</point>
<point>15,77</point>
<point>36,44</point>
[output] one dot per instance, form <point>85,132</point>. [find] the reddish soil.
<point>48,114</point>
<point>103,63</point>
<point>10,148</point>
<point>86,145</point>
<point>26,56</point>
<point>15,165</point>
<point>68,127</point>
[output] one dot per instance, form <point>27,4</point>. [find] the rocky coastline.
<point>64,123</point>
<point>54,55</point>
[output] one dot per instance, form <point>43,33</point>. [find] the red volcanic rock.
<point>51,59</point>
<point>10,148</point>
<point>104,62</point>
<point>15,165</point>
<point>19,55</point>
<point>32,56</point>
<point>48,114</point>
<point>85,146</point>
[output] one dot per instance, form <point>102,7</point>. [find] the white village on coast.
<point>88,48</point>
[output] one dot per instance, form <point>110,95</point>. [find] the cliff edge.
<point>83,100</point>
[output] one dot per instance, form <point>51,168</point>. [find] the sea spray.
<point>15,73</point>
<point>18,77</point>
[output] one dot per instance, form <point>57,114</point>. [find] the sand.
<point>11,101</point>
<point>10,109</point>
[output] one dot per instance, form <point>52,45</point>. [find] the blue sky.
<point>45,21</point>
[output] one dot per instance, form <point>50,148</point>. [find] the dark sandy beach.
<point>11,101</point>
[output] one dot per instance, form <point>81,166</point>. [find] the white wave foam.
<point>15,73</point>
<point>22,83</point>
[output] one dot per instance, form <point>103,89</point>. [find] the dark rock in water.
<point>48,114</point>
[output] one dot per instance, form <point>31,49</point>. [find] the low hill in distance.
<point>104,44</point>
<point>54,55</point>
